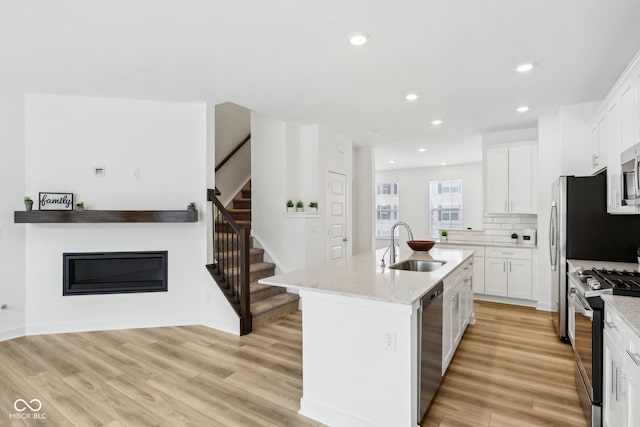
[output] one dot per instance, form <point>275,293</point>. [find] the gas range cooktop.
<point>617,282</point>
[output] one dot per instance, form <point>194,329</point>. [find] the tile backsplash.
<point>497,229</point>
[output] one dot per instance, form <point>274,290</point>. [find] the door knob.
<point>344,240</point>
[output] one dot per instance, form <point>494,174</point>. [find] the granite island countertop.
<point>361,276</point>
<point>627,307</point>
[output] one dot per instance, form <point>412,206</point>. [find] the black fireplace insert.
<point>91,273</point>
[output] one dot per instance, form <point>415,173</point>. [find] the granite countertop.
<point>627,307</point>
<point>361,276</point>
<point>488,244</point>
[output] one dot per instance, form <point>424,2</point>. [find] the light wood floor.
<point>195,376</point>
<point>509,370</point>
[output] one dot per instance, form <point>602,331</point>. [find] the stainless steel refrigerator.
<point>580,228</point>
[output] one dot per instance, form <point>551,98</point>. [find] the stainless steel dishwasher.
<point>429,347</point>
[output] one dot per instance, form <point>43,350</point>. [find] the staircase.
<point>265,302</point>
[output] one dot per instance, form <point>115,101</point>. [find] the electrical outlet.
<point>390,341</point>
<point>135,174</point>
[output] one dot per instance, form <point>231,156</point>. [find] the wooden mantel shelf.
<point>91,216</point>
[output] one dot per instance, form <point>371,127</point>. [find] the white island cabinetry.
<point>360,334</point>
<point>457,310</point>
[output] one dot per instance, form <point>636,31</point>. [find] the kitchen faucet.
<point>392,246</point>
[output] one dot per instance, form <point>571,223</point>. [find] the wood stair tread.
<point>266,305</point>
<point>252,251</point>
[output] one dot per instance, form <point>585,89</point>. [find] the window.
<point>387,201</point>
<point>445,205</point>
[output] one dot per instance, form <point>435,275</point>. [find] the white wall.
<point>232,125</point>
<point>364,206</point>
<point>12,236</point>
<point>414,195</point>
<point>291,161</point>
<point>65,138</point>
<point>574,137</point>
<point>549,169</point>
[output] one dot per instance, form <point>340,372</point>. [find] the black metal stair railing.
<point>231,261</point>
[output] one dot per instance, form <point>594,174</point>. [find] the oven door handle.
<point>575,302</point>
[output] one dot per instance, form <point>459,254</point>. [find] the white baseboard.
<point>224,326</point>
<point>280,267</point>
<point>505,300</point>
<point>546,306</point>
<point>9,334</point>
<point>328,416</point>
<point>105,325</point>
<point>227,199</point>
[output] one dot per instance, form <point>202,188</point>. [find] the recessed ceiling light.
<point>422,150</point>
<point>437,122</point>
<point>522,109</point>
<point>411,96</point>
<point>524,68</point>
<point>359,39</point>
<point>392,161</point>
<point>443,164</point>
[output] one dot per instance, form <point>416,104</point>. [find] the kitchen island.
<point>360,334</point>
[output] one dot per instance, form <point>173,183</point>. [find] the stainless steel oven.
<point>587,323</point>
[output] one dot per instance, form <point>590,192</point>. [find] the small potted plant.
<point>80,206</point>
<point>514,236</point>
<point>28,203</point>
<point>289,205</point>
<point>444,235</point>
<point>638,254</point>
<point>299,206</point>
<point>314,205</point>
<point>191,206</point>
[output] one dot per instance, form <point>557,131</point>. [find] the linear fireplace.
<point>114,272</point>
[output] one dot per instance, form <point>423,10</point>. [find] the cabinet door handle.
<point>635,357</point>
<point>511,204</point>
<point>504,266</point>
<point>506,207</point>
<point>610,325</point>
<point>509,266</point>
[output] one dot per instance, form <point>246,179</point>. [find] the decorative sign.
<point>55,201</point>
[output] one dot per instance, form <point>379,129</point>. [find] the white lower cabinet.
<point>478,274</point>
<point>508,273</point>
<point>614,404</point>
<point>457,309</point>
<point>621,373</point>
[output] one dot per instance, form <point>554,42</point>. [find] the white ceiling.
<point>291,59</point>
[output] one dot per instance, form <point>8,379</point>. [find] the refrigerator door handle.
<point>553,252</point>
<point>637,179</point>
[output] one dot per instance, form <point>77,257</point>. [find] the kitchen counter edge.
<point>361,276</point>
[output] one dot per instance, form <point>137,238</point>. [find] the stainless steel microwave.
<point>630,161</point>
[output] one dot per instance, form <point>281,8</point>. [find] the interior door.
<point>337,216</point>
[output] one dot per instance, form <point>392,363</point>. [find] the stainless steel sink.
<point>417,265</point>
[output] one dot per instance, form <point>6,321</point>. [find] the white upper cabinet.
<point>629,115</point>
<point>510,178</point>
<point>497,180</point>
<point>615,128</point>
<point>598,141</point>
